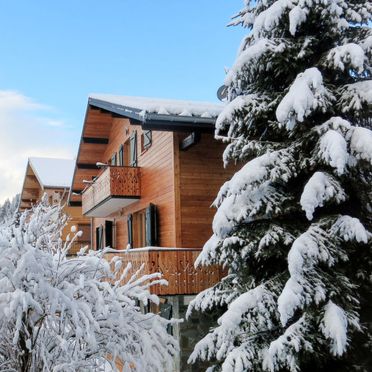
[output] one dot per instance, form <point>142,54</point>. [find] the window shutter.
<point>99,237</point>
<point>121,155</point>
<point>147,138</point>
<point>109,234</point>
<point>133,149</point>
<point>151,226</point>
<point>130,230</point>
<point>113,159</point>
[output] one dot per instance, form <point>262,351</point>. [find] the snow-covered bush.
<point>80,313</point>
<point>292,225</point>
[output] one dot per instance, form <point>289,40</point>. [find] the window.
<point>139,229</point>
<point>133,149</point>
<point>105,235</point>
<point>130,230</point>
<point>126,153</point>
<point>146,139</point>
<point>113,159</point>
<point>121,156</point>
<point>143,228</point>
<point>151,225</point>
<point>109,227</point>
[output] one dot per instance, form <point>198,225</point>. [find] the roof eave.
<point>153,121</point>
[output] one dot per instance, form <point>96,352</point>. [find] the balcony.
<point>114,189</point>
<point>177,267</point>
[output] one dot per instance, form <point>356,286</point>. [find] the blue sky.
<point>54,53</point>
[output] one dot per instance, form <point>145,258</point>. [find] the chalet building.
<point>147,172</point>
<point>53,177</point>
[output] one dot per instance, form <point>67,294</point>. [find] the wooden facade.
<point>180,182</point>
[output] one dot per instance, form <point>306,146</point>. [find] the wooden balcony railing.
<point>119,183</point>
<point>177,267</point>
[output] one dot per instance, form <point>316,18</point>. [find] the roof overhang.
<point>154,121</point>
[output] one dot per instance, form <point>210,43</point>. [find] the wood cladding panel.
<point>97,124</point>
<point>201,174</point>
<point>117,136</point>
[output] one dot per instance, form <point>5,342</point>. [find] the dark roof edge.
<point>156,121</point>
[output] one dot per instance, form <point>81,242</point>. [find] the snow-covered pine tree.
<point>292,225</point>
<point>8,209</point>
<point>81,313</point>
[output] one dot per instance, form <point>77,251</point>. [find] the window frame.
<point>146,139</point>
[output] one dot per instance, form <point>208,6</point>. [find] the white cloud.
<point>28,128</point>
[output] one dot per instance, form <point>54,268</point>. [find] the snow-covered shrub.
<point>292,224</point>
<point>79,313</point>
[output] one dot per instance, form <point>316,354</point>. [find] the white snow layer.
<point>311,248</point>
<point>307,93</point>
<point>163,106</point>
<point>250,56</point>
<point>52,172</point>
<point>283,350</point>
<point>334,327</point>
<point>361,144</point>
<point>333,150</point>
<point>237,104</point>
<point>270,18</point>
<point>320,188</point>
<point>250,192</point>
<point>350,228</point>
<point>349,54</point>
<point>297,16</point>
<point>354,96</point>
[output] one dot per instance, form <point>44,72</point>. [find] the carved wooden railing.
<point>177,267</point>
<point>112,182</point>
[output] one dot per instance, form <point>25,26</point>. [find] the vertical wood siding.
<point>201,174</point>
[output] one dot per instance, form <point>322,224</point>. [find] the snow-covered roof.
<point>163,107</point>
<point>52,172</point>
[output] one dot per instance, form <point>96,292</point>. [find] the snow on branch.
<point>361,143</point>
<point>318,245</point>
<point>320,188</point>
<point>268,19</point>
<point>221,294</point>
<point>282,352</point>
<point>251,103</point>
<point>355,97</point>
<point>334,327</point>
<point>306,95</point>
<point>255,309</point>
<point>333,150</point>
<point>349,228</point>
<point>348,55</point>
<point>250,57</point>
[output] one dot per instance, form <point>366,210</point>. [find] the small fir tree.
<point>9,209</point>
<point>292,224</point>
<point>81,313</point>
